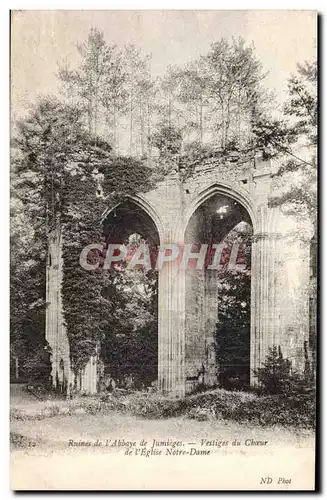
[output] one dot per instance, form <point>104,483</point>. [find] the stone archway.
<point>130,355</point>
<point>173,283</point>
<point>276,305</point>
<point>213,223</point>
<point>228,189</point>
<point>148,208</point>
<point>280,267</point>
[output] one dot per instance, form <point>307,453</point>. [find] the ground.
<point>43,456</point>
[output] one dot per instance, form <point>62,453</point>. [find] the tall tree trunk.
<point>149,128</point>
<point>117,134</point>
<point>16,368</point>
<point>89,115</point>
<point>115,148</point>
<point>228,118</point>
<point>201,121</point>
<point>142,126</point>
<point>131,124</point>
<point>169,111</point>
<point>239,117</point>
<point>95,117</point>
<point>222,126</point>
<point>96,101</point>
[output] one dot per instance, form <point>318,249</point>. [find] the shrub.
<point>168,140</point>
<point>37,366</point>
<point>274,376</point>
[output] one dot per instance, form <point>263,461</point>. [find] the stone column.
<point>171,335</point>
<point>211,319</point>
<point>89,376</point>
<point>264,313</point>
<point>293,289</point>
<point>55,331</point>
<point>279,298</point>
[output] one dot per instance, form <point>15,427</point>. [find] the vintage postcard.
<point>163,250</point>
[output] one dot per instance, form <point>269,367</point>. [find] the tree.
<point>170,89</point>
<point>112,86</point>
<point>44,145</point>
<point>234,75</point>
<point>39,147</point>
<point>233,327</point>
<point>294,141</point>
<point>97,81</point>
<point>27,303</point>
<point>216,95</point>
<point>275,374</point>
<point>49,185</point>
<point>193,94</point>
<point>300,197</point>
<point>168,140</point>
<point>303,100</point>
<point>59,173</point>
<point>114,95</point>
<point>140,91</point>
<point>130,342</point>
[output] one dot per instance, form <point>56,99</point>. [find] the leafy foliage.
<point>211,100</point>
<point>168,140</point>
<point>295,139</point>
<point>303,100</point>
<point>130,339</point>
<point>294,411</point>
<point>274,376</point>
<point>233,327</point>
<point>66,181</point>
<point>98,80</point>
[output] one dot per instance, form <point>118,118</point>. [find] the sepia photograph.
<point>163,250</point>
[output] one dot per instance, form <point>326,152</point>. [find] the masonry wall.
<point>292,278</point>
<point>201,312</point>
<point>63,378</point>
<point>56,334</point>
<point>187,310</point>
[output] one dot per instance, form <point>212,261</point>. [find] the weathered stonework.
<point>55,330</point>
<point>63,377</point>
<point>188,302</point>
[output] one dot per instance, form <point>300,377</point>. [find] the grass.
<point>217,404</point>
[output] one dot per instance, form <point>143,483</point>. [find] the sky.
<point>40,40</point>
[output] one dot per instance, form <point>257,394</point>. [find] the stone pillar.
<point>263,300</point>
<point>89,376</point>
<point>171,335</point>
<point>211,319</point>
<point>279,297</point>
<point>293,289</point>
<point>55,331</point>
<point>195,323</point>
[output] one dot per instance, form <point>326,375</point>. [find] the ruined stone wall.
<point>279,284</point>
<point>201,312</point>
<point>56,334</point>
<point>63,379</point>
